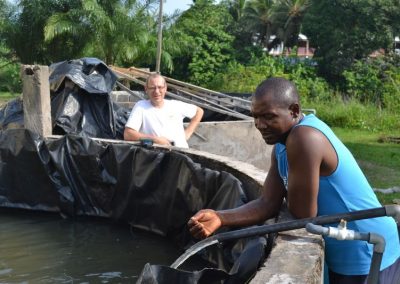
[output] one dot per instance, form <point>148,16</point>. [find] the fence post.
<point>36,99</point>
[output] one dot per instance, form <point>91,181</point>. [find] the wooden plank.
<point>217,108</point>
<point>145,74</point>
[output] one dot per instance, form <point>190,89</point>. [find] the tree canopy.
<point>201,41</point>
<point>343,31</point>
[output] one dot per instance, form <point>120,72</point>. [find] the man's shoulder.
<point>304,132</point>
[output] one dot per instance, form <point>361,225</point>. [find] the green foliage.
<point>9,77</point>
<point>343,31</point>
<point>363,82</point>
<point>110,30</point>
<point>310,86</point>
<point>391,91</point>
<point>9,72</point>
<point>258,20</point>
<point>375,80</point>
<point>23,32</point>
<point>288,17</point>
<point>316,93</point>
<point>209,45</point>
<point>238,78</point>
<point>212,54</point>
<point>354,115</point>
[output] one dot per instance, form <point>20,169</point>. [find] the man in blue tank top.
<point>317,175</point>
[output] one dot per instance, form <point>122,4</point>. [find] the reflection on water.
<point>44,248</point>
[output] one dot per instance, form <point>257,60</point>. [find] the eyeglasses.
<point>152,89</point>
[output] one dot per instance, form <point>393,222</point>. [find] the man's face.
<point>156,89</point>
<point>272,120</point>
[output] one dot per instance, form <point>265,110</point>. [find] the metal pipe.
<point>341,233</point>
<point>379,247</point>
<point>394,211</point>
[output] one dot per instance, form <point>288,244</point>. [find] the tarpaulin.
<point>154,189</point>
<point>12,114</point>
<point>80,100</point>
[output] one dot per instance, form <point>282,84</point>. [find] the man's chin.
<point>270,140</point>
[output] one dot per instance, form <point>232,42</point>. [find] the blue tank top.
<point>347,190</point>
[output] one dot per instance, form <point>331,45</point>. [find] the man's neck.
<point>157,104</point>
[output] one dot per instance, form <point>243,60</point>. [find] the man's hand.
<point>161,141</point>
<point>134,135</point>
<point>204,223</point>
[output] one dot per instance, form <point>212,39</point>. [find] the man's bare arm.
<point>306,148</point>
<point>207,221</point>
<point>194,122</point>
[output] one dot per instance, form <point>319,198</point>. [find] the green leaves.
<point>344,31</point>
<point>209,45</point>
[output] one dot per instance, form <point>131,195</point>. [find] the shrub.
<point>368,85</point>
<point>375,80</point>
<point>10,80</point>
<point>353,114</point>
<point>391,91</point>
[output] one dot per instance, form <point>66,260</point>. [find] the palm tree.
<point>236,8</point>
<point>289,15</point>
<point>258,19</point>
<point>113,30</point>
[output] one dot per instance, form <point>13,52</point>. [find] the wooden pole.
<point>159,40</point>
<point>36,99</point>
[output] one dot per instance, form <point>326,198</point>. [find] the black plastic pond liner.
<point>12,114</point>
<point>80,100</point>
<point>153,189</point>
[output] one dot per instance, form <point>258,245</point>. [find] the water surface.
<point>45,248</point>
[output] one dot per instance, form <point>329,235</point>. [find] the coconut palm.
<point>236,8</point>
<point>288,15</point>
<point>258,19</point>
<point>114,30</point>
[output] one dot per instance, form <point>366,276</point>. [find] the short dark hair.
<point>282,90</point>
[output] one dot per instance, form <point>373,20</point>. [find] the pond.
<point>45,248</point>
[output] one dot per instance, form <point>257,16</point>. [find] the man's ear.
<point>295,110</point>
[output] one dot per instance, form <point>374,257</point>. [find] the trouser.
<point>390,275</point>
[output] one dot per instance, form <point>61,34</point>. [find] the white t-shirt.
<point>166,121</point>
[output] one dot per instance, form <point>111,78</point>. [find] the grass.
<point>380,161</point>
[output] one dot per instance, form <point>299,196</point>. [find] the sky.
<point>169,6</point>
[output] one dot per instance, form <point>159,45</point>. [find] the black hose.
<point>287,226</point>
<point>300,223</point>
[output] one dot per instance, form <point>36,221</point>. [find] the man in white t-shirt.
<point>161,120</point>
